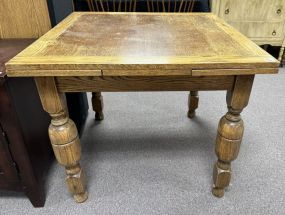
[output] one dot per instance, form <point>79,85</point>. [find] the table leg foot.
<point>191,114</point>
<point>80,198</point>
<point>218,192</point>
<point>193,101</point>
<point>221,178</point>
<point>97,104</point>
<point>99,116</point>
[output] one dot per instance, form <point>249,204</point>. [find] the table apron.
<point>143,83</point>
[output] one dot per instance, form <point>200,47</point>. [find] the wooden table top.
<point>86,43</point>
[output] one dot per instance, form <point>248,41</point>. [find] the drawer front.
<point>252,10</point>
<point>260,29</point>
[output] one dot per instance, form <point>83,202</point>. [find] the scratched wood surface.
<point>89,43</point>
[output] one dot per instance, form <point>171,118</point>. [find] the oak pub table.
<point>114,52</point>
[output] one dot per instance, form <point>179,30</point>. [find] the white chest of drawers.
<point>263,21</point>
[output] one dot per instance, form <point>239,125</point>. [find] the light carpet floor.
<point>147,157</point>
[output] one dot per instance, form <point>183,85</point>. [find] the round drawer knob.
<point>274,33</point>
<point>278,11</point>
<point>227,11</point>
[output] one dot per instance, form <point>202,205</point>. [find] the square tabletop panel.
<point>89,43</point>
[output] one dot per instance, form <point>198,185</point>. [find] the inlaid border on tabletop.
<point>29,63</point>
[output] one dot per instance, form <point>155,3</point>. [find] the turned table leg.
<point>230,132</point>
<point>63,136</point>
<point>193,101</point>
<point>97,104</point>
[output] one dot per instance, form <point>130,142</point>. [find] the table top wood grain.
<point>85,44</point>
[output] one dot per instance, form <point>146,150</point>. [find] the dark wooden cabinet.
<point>9,178</point>
<point>25,150</point>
